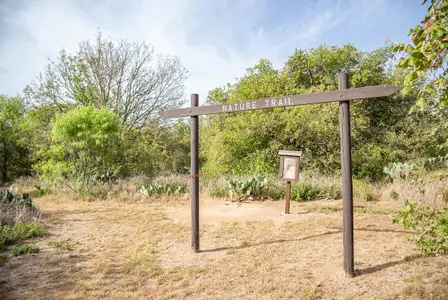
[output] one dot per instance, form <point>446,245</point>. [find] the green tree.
<point>248,143</point>
<point>426,57</point>
<point>39,122</point>
<point>157,148</point>
<point>14,147</point>
<point>83,148</point>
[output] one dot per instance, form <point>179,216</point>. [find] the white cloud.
<point>216,40</point>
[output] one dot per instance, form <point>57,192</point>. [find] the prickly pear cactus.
<point>24,199</point>
<point>8,196</point>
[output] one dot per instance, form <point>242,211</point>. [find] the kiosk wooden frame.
<point>343,95</point>
<point>291,155</point>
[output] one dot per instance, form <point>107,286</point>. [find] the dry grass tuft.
<point>14,212</point>
<point>423,282</point>
<point>431,192</point>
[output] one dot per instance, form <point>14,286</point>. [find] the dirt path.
<point>142,251</point>
<point>213,213</point>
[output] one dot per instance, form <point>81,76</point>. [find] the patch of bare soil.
<point>248,251</point>
<point>213,213</point>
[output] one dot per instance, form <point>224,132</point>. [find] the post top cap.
<point>290,153</point>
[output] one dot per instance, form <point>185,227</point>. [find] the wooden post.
<point>194,127</point>
<point>288,197</point>
<point>347,186</point>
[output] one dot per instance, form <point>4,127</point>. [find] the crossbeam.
<point>312,98</point>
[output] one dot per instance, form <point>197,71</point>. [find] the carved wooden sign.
<point>313,98</point>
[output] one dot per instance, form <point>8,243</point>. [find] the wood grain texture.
<point>275,102</point>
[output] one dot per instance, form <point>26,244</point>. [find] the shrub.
<point>40,191</point>
<point>305,191</point>
<point>8,196</point>
<point>83,150</point>
<point>333,192</point>
<point>19,232</point>
<point>24,199</point>
<point>24,249</point>
<point>244,187</point>
<point>431,225</point>
<point>16,208</point>
<point>368,195</point>
<point>393,194</point>
<point>363,191</point>
<point>368,161</point>
<point>63,245</point>
<point>217,187</point>
<point>219,191</point>
<point>276,190</point>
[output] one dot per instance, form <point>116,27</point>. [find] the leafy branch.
<point>431,226</point>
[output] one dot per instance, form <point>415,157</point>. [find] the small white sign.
<point>289,167</point>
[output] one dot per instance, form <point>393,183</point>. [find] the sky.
<point>216,40</point>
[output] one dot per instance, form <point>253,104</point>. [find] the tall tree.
<point>14,152</point>
<point>128,78</point>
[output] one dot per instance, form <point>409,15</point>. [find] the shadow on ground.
<point>47,274</point>
<point>386,265</point>
<point>338,230</point>
<point>271,242</point>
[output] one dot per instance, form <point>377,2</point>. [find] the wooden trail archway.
<point>343,95</point>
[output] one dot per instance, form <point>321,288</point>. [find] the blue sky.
<point>215,39</point>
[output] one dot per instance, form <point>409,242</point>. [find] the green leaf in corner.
<point>411,77</point>
<point>422,102</point>
<point>406,90</point>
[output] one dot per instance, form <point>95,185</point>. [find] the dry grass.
<point>431,192</point>
<point>141,250</point>
<point>13,212</point>
<point>423,282</point>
